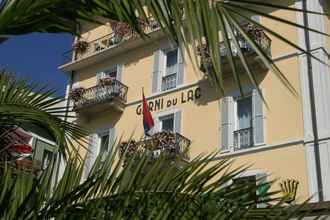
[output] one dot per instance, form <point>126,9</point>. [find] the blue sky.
<point>37,57</point>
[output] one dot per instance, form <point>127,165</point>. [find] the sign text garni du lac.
<point>161,103</point>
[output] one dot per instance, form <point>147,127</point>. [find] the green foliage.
<point>110,191</point>
<point>199,20</point>
<point>31,106</point>
<point>199,190</point>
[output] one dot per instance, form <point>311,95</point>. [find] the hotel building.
<point>288,136</point>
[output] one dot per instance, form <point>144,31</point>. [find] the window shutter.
<point>99,76</point>
<point>157,70</point>
<point>119,72</point>
<point>157,126</point>
<point>258,119</point>
<point>112,133</point>
<point>181,53</point>
<point>227,113</point>
<point>93,151</point>
<point>263,188</point>
<point>256,18</point>
<point>177,122</point>
<point>75,80</point>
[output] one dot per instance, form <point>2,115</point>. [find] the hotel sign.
<point>163,103</point>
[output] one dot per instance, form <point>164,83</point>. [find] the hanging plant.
<point>120,29</point>
<point>77,93</point>
<point>107,80</point>
<point>80,46</point>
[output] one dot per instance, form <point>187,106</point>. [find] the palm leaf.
<point>20,106</point>
<point>202,20</point>
<point>138,190</point>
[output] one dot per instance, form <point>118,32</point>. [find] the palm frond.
<point>21,106</point>
<point>184,22</point>
<point>139,190</point>
<point>207,20</point>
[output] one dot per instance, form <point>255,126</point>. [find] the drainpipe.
<point>312,105</point>
<point>67,107</point>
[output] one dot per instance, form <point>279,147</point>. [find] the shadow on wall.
<point>326,7</point>
<point>210,92</point>
<point>104,119</point>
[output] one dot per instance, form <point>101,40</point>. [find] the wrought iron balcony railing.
<point>166,143</point>
<point>169,82</point>
<point>243,138</point>
<point>86,49</point>
<point>102,93</point>
<point>257,34</point>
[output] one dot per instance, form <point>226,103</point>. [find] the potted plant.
<point>120,30</point>
<point>106,80</point>
<point>77,93</point>
<point>80,46</point>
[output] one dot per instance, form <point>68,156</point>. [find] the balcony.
<point>166,143</point>
<point>243,139</point>
<point>255,33</point>
<point>84,49</point>
<point>105,95</point>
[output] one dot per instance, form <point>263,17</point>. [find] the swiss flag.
<point>148,121</point>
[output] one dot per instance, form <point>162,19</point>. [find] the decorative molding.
<point>260,148</point>
<point>41,138</point>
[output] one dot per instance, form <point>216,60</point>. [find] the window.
<point>171,62</point>
<point>114,72</point>
<point>111,72</point>
<point>46,159</point>
<point>169,80</point>
<point>104,142</point>
<point>251,183</point>
<point>167,123</point>
<point>43,152</point>
<point>257,185</point>
<point>243,123</point>
<point>168,69</point>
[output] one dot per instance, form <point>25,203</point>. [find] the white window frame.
<point>166,51</point>
<point>103,72</point>
<point>162,114</point>
<point>100,132</point>
<point>236,98</point>
<point>164,68</point>
<point>166,117</point>
<point>236,95</point>
<point>100,135</point>
<point>112,68</point>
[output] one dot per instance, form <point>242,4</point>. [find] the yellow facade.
<point>283,153</point>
